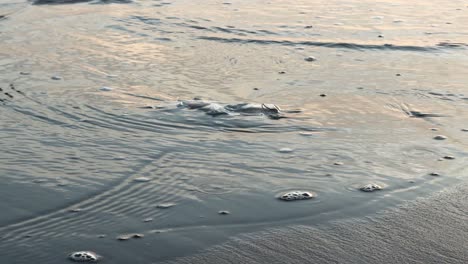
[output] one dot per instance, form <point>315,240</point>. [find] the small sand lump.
<point>310,58</point>
<point>84,256</point>
<point>296,195</point>
<point>371,187</point>
<point>440,137</point>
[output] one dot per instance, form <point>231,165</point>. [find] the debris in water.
<point>224,212</point>
<point>310,58</point>
<point>371,187</point>
<point>282,72</point>
<point>142,179</point>
<point>323,95</point>
<point>338,163</point>
<point>149,219</point>
<point>76,210</point>
<point>296,195</point>
<point>464,129</point>
<point>448,157</point>
<point>434,129</point>
<point>440,137</point>
<point>24,73</point>
<point>434,174</point>
<point>56,78</point>
<point>84,256</point>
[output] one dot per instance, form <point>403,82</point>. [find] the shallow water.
<point>90,104</point>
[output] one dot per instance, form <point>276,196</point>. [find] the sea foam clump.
<point>371,187</point>
<point>296,195</point>
<point>84,256</point>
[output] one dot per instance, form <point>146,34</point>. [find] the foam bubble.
<point>142,179</point>
<point>285,150</point>
<point>371,187</point>
<point>84,256</point>
<point>296,195</point>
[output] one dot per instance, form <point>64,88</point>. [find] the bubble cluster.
<point>371,187</point>
<point>84,256</point>
<point>296,195</point>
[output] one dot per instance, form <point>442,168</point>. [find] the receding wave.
<point>61,2</point>
<point>342,45</point>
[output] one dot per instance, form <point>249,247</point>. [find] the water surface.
<point>394,76</point>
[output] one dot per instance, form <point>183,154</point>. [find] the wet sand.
<point>431,230</point>
<point>184,123</point>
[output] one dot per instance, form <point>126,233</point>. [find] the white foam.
<point>296,195</point>
<point>285,150</point>
<point>84,256</point>
<point>142,179</point>
<point>371,187</point>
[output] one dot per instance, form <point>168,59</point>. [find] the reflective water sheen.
<point>111,110</point>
